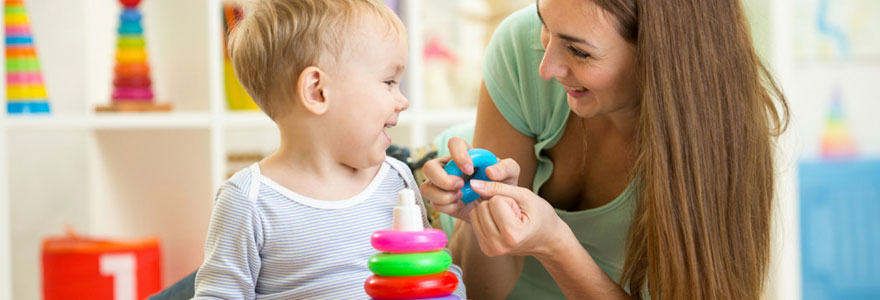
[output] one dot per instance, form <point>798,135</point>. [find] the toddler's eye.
<point>390,82</point>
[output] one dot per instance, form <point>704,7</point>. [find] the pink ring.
<point>132,94</point>
<point>18,30</point>
<point>23,78</point>
<point>394,241</point>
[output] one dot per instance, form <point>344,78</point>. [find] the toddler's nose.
<point>401,103</point>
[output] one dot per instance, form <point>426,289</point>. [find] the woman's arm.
<point>493,277</point>
<point>577,274</point>
<point>515,222</point>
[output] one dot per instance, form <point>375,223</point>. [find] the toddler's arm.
<point>232,248</point>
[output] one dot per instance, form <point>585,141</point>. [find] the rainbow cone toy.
<point>25,91</point>
<point>837,143</point>
<point>132,87</point>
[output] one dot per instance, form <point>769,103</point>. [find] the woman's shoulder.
<point>521,28</point>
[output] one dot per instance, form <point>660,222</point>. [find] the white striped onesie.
<point>267,242</point>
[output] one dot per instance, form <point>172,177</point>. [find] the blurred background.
<point>124,175</point>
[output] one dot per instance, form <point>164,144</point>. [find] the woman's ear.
<point>310,90</point>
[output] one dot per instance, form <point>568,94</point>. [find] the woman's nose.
<point>551,66</point>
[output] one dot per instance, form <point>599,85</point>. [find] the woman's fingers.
<point>496,227</point>
<point>458,149</point>
<point>508,219</point>
<point>490,229</point>
<point>477,227</point>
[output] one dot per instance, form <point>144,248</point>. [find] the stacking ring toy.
<point>133,81</point>
<point>481,158</point>
<point>394,241</point>
<point>410,264</point>
<point>130,28</point>
<point>411,287</point>
<point>131,56</point>
<point>140,69</point>
<point>448,297</point>
<point>132,94</point>
<point>12,51</point>
<point>130,15</point>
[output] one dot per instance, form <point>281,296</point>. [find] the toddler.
<point>297,225</point>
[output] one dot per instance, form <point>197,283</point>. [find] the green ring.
<point>410,264</point>
<point>22,65</point>
<point>9,10</point>
<point>130,42</point>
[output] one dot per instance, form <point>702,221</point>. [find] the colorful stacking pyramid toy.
<point>131,81</point>
<point>25,91</point>
<point>414,264</point>
<point>837,142</point>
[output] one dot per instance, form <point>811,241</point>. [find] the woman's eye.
<point>574,51</point>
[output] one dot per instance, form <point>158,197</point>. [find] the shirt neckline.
<point>325,204</point>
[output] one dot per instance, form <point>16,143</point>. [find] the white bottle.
<point>407,214</point>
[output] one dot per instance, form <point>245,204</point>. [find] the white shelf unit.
<point>138,174</point>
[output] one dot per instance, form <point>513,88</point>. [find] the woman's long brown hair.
<point>704,162</point>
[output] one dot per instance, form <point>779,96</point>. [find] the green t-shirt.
<point>538,108</point>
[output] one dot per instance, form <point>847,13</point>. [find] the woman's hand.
<point>444,190</point>
<point>515,221</point>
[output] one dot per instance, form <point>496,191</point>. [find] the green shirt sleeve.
<point>535,107</point>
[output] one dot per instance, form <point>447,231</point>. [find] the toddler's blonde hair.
<point>278,39</point>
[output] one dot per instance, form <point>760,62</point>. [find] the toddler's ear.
<point>310,90</point>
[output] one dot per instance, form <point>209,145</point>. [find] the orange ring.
<point>131,70</point>
<point>21,52</point>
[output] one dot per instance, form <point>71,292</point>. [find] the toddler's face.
<point>365,89</point>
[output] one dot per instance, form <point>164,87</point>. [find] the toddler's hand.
<point>444,190</point>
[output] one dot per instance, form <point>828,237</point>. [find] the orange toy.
<point>76,267</point>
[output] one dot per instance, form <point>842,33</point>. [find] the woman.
<point>639,140</point>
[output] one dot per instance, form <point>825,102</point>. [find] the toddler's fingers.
<point>451,209</point>
<point>458,148</point>
<point>437,195</point>
<point>435,174</point>
<point>506,170</point>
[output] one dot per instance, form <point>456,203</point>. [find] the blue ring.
<point>481,159</point>
<point>130,28</point>
<point>130,15</point>
<point>28,107</point>
<point>19,40</point>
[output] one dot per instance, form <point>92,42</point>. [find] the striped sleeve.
<point>232,259</point>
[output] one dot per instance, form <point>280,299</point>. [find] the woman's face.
<point>585,52</point>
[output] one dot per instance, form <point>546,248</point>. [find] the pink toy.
<point>414,265</point>
<point>133,94</point>
<point>394,241</point>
